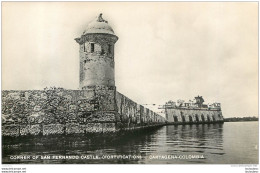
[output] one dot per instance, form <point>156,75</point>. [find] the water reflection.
<point>135,144</point>
<point>202,139</point>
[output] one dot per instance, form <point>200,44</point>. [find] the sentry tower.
<point>96,55</point>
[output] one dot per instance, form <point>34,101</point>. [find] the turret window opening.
<point>92,47</point>
<point>85,47</point>
<point>109,48</point>
<point>102,51</point>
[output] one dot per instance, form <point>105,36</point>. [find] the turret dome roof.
<point>99,25</point>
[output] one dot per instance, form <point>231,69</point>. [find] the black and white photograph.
<point>129,83</point>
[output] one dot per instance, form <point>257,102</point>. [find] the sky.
<point>166,50</point>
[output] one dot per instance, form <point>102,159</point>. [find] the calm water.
<point>228,143</point>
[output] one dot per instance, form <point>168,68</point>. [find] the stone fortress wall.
<point>134,115</point>
<point>181,115</point>
<point>59,111</point>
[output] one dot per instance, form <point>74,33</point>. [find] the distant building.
<point>192,111</point>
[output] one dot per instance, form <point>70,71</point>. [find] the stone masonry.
<point>59,111</point>
<point>176,116</point>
